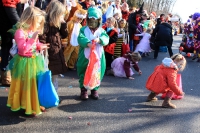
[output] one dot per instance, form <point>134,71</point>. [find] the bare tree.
<point>158,6</point>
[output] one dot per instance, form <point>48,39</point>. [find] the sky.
<point>184,8</point>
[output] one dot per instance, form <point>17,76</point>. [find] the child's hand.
<point>35,35</point>
<point>89,45</point>
<point>130,77</point>
<point>44,46</point>
<point>140,72</point>
<point>97,40</point>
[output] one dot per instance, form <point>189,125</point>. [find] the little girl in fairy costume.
<point>27,63</point>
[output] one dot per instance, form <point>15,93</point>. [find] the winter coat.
<point>53,35</point>
<point>163,79</point>
<point>132,26</point>
<point>113,36</point>
<point>163,35</point>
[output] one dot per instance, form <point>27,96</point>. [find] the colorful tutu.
<point>118,67</point>
<point>23,93</point>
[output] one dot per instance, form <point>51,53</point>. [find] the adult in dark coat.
<point>163,37</point>
<point>132,25</point>
<point>9,14</point>
<point>42,4</point>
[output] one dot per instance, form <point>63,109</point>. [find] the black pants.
<point>6,39</point>
<point>9,16</point>
<point>157,50</point>
<point>109,59</point>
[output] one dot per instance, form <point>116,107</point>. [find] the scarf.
<point>109,29</point>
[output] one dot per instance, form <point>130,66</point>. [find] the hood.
<point>168,62</point>
<point>167,25</point>
<point>94,12</point>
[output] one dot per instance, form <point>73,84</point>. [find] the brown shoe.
<point>168,104</point>
<point>94,94</point>
<point>84,95</point>
<point>152,97</point>
<point>5,78</point>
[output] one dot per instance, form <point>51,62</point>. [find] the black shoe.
<point>84,95</point>
<point>72,69</point>
<point>155,57</point>
<point>194,57</point>
<point>94,95</point>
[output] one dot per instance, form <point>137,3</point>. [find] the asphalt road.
<point>120,109</point>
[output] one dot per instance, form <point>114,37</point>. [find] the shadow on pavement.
<point>7,117</point>
<point>113,104</point>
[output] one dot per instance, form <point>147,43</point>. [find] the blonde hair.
<point>122,20</point>
<point>104,7</point>
<point>113,21</point>
<point>29,19</point>
<point>179,58</point>
<point>54,10</point>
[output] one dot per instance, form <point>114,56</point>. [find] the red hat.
<point>154,14</point>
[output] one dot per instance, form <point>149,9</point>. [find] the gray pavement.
<point>120,109</point>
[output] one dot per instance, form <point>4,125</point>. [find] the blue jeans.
<point>131,45</point>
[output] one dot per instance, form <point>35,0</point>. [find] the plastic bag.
<point>93,71</point>
<point>13,49</point>
<point>47,94</point>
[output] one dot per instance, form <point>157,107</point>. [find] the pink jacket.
<point>25,44</point>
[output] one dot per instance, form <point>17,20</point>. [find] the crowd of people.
<point>191,39</point>
<point>90,37</point>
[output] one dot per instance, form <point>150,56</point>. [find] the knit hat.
<point>153,13</point>
<point>168,62</point>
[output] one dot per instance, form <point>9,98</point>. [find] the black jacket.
<point>132,24</point>
<point>163,35</point>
